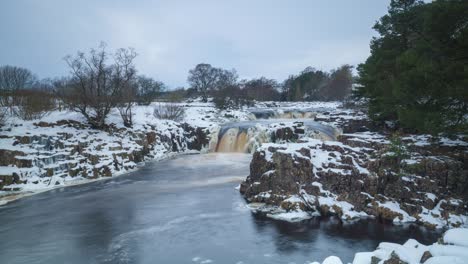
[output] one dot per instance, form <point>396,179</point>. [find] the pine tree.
<point>417,73</point>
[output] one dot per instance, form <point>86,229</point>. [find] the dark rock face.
<point>282,181</point>
<point>361,173</point>
<point>198,137</point>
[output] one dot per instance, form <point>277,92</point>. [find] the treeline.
<point>417,74</point>
<point>309,85</point>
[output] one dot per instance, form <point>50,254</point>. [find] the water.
<point>183,210</point>
<point>246,136</point>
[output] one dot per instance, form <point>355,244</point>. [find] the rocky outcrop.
<point>357,177</point>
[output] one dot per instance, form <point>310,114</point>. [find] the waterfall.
<point>247,136</point>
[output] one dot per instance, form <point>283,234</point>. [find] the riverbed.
<point>181,210</point>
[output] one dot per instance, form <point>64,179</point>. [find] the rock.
<point>8,157</point>
<point>289,171</point>
<point>426,255</point>
<point>284,134</point>
<point>362,178</point>
<point>394,259</point>
<point>375,260</point>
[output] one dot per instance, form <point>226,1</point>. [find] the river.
<point>181,210</point>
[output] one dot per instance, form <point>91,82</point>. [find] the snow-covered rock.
<point>359,176</point>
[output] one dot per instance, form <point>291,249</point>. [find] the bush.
<point>398,149</point>
<point>32,104</point>
<point>170,111</point>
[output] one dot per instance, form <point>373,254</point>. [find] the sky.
<point>274,38</point>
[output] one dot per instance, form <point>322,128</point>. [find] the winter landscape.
<point>362,163</point>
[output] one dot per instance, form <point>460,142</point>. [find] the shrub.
<point>398,149</point>
<point>170,111</point>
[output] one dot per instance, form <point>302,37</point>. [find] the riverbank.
<point>62,150</point>
<point>363,174</point>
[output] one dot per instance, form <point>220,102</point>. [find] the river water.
<point>181,210</point>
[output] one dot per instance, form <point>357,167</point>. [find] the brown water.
<point>245,136</point>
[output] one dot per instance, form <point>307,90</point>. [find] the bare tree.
<point>340,84</point>
<point>96,86</point>
<point>126,80</point>
<point>203,78</point>
<point>261,89</point>
<point>13,79</point>
<point>148,89</point>
<point>226,78</point>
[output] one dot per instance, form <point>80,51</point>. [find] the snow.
<point>362,258</point>
<point>456,237</point>
<point>293,216</point>
<point>8,170</point>
<point>395,207</point>
<point>431,196</point>
<point>332,260</point>
<point>446,260</point>
<point>412,251</point>
<point>449,250</point>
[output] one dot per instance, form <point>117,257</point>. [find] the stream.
<point>180,210</point>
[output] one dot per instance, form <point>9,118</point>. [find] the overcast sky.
<point>257,37</point>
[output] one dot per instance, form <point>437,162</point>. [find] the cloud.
<point>270,38</point>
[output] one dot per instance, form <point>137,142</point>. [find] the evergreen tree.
<point>417,73</point>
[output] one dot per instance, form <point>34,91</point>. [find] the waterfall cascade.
<point>246,136</point>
